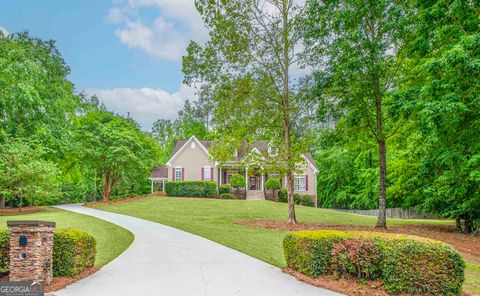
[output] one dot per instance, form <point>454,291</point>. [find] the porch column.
<point>221,176</point>
<point>163,185</point>
<point>262,184</point>
<point>152,185</point>
<point>246,178</point>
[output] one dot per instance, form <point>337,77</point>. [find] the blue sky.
<point>128,52</point>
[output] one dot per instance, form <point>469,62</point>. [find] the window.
<point>272,151</point>
<point>178,174</point>
<point>193,145</point>
<point>300,183</point>
<point>274,175</point>
<point>207,173</point>
<point>235,153</point>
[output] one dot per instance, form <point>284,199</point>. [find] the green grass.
<point>214,219</point>
<point>111,239</point>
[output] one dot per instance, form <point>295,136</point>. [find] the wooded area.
<point>383,93</point>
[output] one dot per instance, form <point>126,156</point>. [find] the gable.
<point>189,149</point>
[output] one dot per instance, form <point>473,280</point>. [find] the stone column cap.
<point>31,223</point>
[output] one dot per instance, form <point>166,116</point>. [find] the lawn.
<point>215,220</point>
<point>111,239</point>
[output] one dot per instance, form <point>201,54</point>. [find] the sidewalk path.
<point>169,262</point>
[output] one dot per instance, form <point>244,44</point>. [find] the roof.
<point>261,145</point>
<point>160,172</point>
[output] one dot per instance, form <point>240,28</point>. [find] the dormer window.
<point>235,153</point>
<point>272,150</point>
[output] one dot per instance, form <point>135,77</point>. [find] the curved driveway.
<point>166,261</point>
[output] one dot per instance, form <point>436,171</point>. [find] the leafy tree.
<point>357,45</point>
<point>272,184</point>
<point>247,65</point>
<point>444,76</point>
<point>115,147</point>
<point>24,174</point>
<point>237,181</point>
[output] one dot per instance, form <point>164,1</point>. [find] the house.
<point>191,161</point>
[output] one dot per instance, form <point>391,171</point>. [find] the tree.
<point>237,181</point>
<point>444,139</point>
<point>272,184</point>
<point>24,174</point>
<point>357,45</point>
<point>115,147</point>
<point>247,65</point>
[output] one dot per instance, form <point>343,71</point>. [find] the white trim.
<point>315,170</point>
<point>192,138</point>
<point>157,179</point>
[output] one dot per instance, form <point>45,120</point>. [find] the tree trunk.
<point>2,201</point>
<point>292,218</point>
<point>382,200</point>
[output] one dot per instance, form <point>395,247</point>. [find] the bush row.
<point>405,264</point>
<point>299,199</point>
<point>73,252</point>
<point>191,188</point>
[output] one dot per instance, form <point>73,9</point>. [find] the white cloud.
<point>167,36</point>
<point>3,30</point>
<point>145,105</point>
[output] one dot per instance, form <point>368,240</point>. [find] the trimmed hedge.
<point>73,252</point>
<point>405,264</point>
<point>4,249</point>
<point>227,196</point>
<point>299,199</point>
<point>191,188</point>
<point>225,188</point>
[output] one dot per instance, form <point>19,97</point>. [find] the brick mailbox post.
<point>31,247</point>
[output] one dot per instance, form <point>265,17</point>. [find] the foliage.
<point>191,188</point>
<point>227,196</point>
<point>405,264</point>
<point>237,181</point>
<point>272,184</point>
<point>4,251</point>
<point>116,148</point>
<point>25,174</point>
<point>283,195</point>
<point>303,199</point>
<point>224,188</point>
<point>73,252</point>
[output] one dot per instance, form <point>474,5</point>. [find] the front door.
<point>253,183</point>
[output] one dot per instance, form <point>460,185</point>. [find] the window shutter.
<point>173,174</point>
<point>183,174</point>
<point>211,174</point>
<point>306,182</point>
<point>202,173</point>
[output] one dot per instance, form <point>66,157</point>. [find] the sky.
<point>127,52</point>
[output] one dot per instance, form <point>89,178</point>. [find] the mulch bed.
<point>18,211</point>
<point>59,283</point>
<point>122,200</point>
<point>465,244</point>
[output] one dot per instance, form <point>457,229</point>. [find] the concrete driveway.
<point>166,261</point>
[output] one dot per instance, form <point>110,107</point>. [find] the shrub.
<point>272,184</point>
<point>4,251</point>
<point>191,188</point>
<point>283,195</point>
<point>225,188</point>
<point>73,252</point>
<point>405,264</point>
<point>227,196</point>
<point>303,199</point>
<point>237,181</point>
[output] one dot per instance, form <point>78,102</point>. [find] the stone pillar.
<point>31,248</point>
